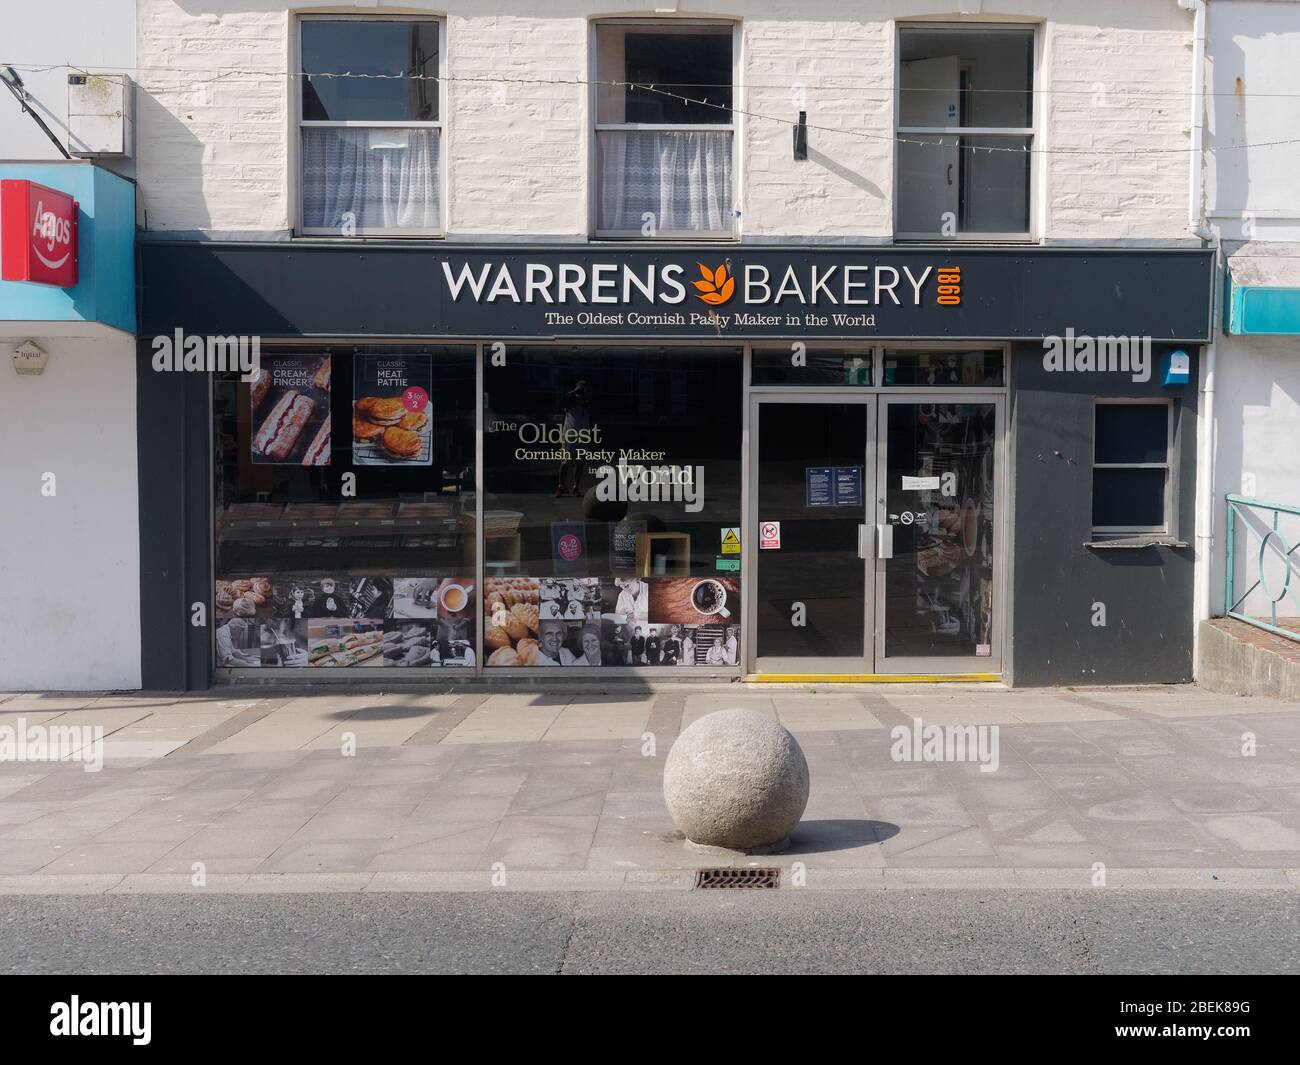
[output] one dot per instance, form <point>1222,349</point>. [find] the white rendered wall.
<point>1252,48</point>
<point>70,563</point>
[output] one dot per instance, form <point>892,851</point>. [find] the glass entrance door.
<point>813,479</point>
<point>939,535</point>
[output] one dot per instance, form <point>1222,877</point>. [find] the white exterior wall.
<point>217,156</point>
<point>1253,202</point>
<point>70,562</point>
<point>1252,47</point>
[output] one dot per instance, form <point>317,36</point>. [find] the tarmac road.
<point>783,931</point>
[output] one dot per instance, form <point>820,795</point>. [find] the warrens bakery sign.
<point>655,292</point>
<point>719,296</point>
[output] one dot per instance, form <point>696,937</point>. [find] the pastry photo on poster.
<point>289,402</point>
<point>391,410</point>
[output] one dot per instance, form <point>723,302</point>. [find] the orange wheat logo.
<point>716,287</point>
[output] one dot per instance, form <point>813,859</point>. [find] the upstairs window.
<point>664,129</point>
<point>370,127</point>
<point>964,133</point>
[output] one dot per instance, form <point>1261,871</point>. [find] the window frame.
<point>300,123</point>
<point>596,127</point>
<point>1170,466</point>
<point>1032,132</point>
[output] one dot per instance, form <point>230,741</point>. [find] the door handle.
<point>950,173</point>
<point>884,541</point>
<point>863,548</point>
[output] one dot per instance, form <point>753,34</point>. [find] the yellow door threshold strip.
<point>874,678</point>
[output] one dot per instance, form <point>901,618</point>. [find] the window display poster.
<point>622,546</point>
<point>328,620</point>
<point>591,621</point>
<point>391,410</point>
<point>569,548</point>
<point>289,403</point>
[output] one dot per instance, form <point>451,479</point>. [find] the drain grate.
<point>725,877</point>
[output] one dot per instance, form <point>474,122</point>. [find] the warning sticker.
<point>769,535</point>
<point>731,541</point>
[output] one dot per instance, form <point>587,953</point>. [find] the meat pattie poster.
<point>391,423</point>
<point>290,403</point>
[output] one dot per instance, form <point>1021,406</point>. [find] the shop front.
<point>694,462</point>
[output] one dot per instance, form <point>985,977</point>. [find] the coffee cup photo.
<point>453,597</point>
<point>709,597</point>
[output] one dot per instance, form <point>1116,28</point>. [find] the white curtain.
<point>681,179</point>
<point>385,178</point>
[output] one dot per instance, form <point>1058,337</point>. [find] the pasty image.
<point>392,417</point>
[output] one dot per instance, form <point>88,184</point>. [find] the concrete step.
<point>1240,659</point>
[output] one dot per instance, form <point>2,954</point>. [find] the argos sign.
<point>38,234</point>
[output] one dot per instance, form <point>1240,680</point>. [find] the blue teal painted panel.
<point>105,291</point>
<point>1258,310</point>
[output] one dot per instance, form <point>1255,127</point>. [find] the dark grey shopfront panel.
<point>174,455</point>
<point>1057,581</point>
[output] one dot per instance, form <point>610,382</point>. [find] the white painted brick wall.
<point>215,155</point>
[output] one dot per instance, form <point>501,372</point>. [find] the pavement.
<point>258,791</point>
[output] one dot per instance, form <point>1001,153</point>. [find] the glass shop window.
<point>978,368</point>
<point>370,127</point>
<point>1132,467</point>
<point>612,507</point>
<point>344,510</point>
<point>664,129</point>
<point>797,364</point>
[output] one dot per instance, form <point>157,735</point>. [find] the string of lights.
<point>943,140</point>
<point>875,87</point>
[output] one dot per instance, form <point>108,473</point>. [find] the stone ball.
<point>736,779</point>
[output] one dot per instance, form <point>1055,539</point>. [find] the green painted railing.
<point>1271,539</point>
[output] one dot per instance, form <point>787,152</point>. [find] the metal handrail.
<point>1236,504</point>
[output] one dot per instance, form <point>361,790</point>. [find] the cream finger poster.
<point>290,410</point>
<point>391,412</point>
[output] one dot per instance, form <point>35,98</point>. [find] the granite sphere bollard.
<point>736,779</point>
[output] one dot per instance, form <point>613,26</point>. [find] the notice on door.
<point>730,540</point>
<point>819,490</point>
<point>833,486</point>
<point>848,486</point>
<point>920,484</point>
<point>769,535</point>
